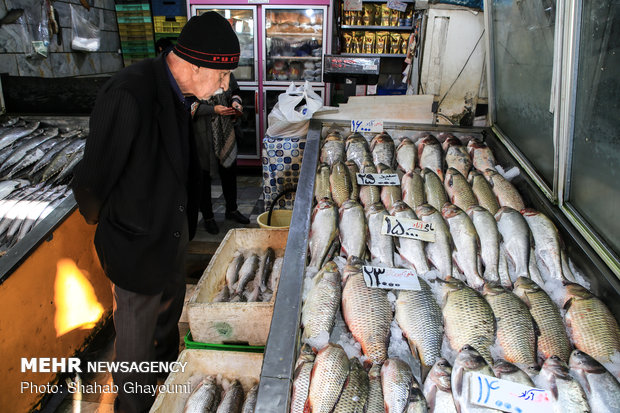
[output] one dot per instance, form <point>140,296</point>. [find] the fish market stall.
<point>54,294</point>
<point>335,314</point>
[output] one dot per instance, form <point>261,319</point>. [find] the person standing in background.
<point>216,131</point>
<point>139,182</point>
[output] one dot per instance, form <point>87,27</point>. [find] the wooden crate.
<point>233,323</point>
<point>245,367</point>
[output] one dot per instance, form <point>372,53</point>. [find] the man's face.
<point>206,81</point>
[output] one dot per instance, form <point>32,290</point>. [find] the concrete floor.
<point>200,250</point>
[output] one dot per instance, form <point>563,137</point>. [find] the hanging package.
<point>85,34</point>
<point>292,113</point>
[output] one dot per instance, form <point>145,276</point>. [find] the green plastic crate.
<point>134,19</point>
<point>189,343</point>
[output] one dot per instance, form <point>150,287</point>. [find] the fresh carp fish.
<point>552,339</point>
<point>330,371</point>
<point>566,392</point>
<point>468,361</point>
<point>600,386</point>
<point>438,388</point>
<point>592,327</point>
<point>467,318</point>
<point>323,231</point>
<point>319,311</point>
<point>419,317</point>
<point>370,328</point>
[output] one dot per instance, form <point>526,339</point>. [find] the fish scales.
<point>204,398</point>
<point>439,253</point>
<point>515,326</point>
<point>547,243</point>
<point>250,400</point>
<point>506,193</point>
<point>466,242</point>
<point>368,315</point>
<point>489,237</point>
<point>458,190</point>
<point>419,317</point>
<point>516,235</point>
<point>301,380</point>
<point>389,193</point>
<point>357,149</point>
<point>333,149</point>
<point>369,194</point>
<point>382,149</point>
<point>468,361</point>
<point>412,186</point>
<point>355,391</point>
<point>430,155</point>
<point>352,229</point>
<point>483,192</point>
<point>456,155</point>
<point>233,399</point>
<point>467,318</point>
<point>321,187</point>
<point>323,231</point>
<point>434,190</point>
<point>396,381</point>
<point>330,371</point>
<point>406,154</point>
<point>319,310</point>
<point>552,339</point>
<point>353,171</point>
<point>374,403</point>
<point>591,326</point>
<point>381,246</point>
<point>481,155</point>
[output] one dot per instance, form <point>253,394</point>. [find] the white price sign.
<point>390,278</point>
<point>371,125</point>
<point>507,396</point>
<point>378,179</point>
<point>408,228</point>
<point>397,5</point>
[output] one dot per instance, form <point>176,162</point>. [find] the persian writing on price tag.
<point>397,5</point>
<point>378,179</point>
<point>371,125</point>
<point>390,278</point>
<point>507,396</point>
<point>408,228</point>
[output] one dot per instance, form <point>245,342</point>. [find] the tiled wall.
<point>62,61</point>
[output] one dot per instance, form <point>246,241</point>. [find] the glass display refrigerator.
<point>281,42</point>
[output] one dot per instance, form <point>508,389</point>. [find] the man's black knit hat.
<point>209,41</point>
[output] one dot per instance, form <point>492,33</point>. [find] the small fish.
<point>340,183</point>
<point>264,268</point>
<point>458,190</point>
<point>439,253</point>
<point>396,382</point>
<point>321,187</point>
<point>430,155</point>
<point>456,155</point>
<point>369,194</point>
<point>481,155</point>
<point>382,149</point>
<point>233,398</point>
<point>506,193</point>
<point>468,361</point>
<point>375,392</point>
<point>412,185</point>
<point>411,250</point>
<point>323,232</point>
<point>318,313</point>
<point>353,171</point>
<point>232,272</point>
<point>406,155</point>
<point>516,235</point>
<point>381,246</point>
<point>333,149</point>
<point>247,273</point>
<point>489,237</point>
<point>389,193</point>
<point>483,192</point>
<point>250,400</point>
<point>301,379</point>
<point>352,229</point>
<point>566,393</point>
<point>204,398</point>
<point>355,391</point>
<point>223,296</point>
<point>434,189</point>
<point>357,149</point>
<point>438,388</point>
<point>600,386</point>
<point>329,373</point>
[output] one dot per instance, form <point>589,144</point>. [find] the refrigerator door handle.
<point>256,102</point>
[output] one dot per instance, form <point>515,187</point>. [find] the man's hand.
<point>223,110</point>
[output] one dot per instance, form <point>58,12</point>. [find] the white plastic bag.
<point>85,34</point>
<point>289,117</point>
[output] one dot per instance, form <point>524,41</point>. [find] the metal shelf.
<point>386,28</point>
<point>372,55</point>
<point>294,57</point>
<point>295,34</point>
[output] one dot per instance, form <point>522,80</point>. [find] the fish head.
<point>306,353</point>
<point>339,167</point>
<point>475,209</point>
<point>450,210</point>
<point>502,367</point>
<point>404,141</point>
<point>473,174</point>
<point>450,285</point>
<point>323,167</point>
<point>525,284</point>
<point>555,367</point>
<point>475,143</point>
<point>505,210</point>
<point>351,165</point>
<point>356,136</point>
<point>490,174</point>
<point>470,359</point>
<point>576,291</point>
<point>441,374</point>
<point>375,208</point>
<point>492,289</point>
<point>333,136</point>
<point>580,361</point>
<point>330,267</point>
<point>399,206</point>
<point>348,204</point>
<point>450,140</point>
<point>425,210</point>
<point>325,203</point>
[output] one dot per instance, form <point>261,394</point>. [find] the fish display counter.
<point>54,295</point>
<point>373,314</point>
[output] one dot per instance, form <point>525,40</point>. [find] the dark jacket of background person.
<point>137,180</point>
<point>204,133</point>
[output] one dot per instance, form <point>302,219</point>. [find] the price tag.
<point>367,125</point>
<point>397,5</point>
<point>355,5</point>
<point>390,278</point>
<point>408,228</point>
<point>378,179</point>
<point>507,396</point>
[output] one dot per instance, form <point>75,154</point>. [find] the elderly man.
<point>139,181</point>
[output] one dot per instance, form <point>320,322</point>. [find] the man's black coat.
<point>134,180</point>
